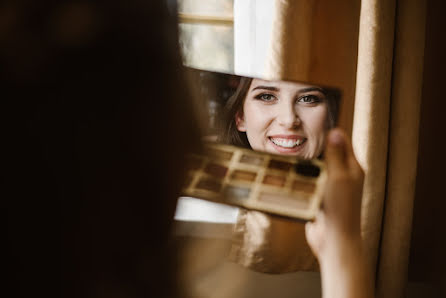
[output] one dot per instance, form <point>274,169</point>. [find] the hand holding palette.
<point>281,185</point>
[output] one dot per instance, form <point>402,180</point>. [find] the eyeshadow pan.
<point>274,180</point>
<point>216,170</point>
<point>299,202</point>
<point>279,165</point>
<point>251,159</point>
<point>243,175</point>
<point>236,192</point>
<point>220,154</point>
<point>208,184</point>
<point>307,168</point>
<point>304,186</point>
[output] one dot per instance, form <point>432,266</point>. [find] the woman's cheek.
<point>253,116</point>
<point>315,120</point>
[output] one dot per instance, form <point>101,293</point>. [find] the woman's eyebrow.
<point>270,88</point>
<point>309,89</point>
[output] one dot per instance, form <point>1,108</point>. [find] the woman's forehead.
<point>279,85</point>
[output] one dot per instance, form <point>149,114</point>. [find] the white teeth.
<point>286,143</point>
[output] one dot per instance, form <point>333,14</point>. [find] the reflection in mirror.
<point>279,117</point>
<point>284,122</point>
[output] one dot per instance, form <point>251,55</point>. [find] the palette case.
<point>277,184</point>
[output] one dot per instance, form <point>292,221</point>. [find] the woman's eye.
<point>265,97</point>
<point>308,99</point>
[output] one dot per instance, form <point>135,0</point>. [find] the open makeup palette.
<point>281,185</point>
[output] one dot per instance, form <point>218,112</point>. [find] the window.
<point>207,34</point>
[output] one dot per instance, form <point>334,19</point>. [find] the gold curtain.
<point>373,51</point>
<point>407,78</point>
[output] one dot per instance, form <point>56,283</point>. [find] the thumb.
<point>335,151</point>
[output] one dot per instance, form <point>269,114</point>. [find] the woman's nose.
<point>288,117</point>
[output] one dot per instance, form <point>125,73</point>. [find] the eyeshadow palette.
<point>281,185</point>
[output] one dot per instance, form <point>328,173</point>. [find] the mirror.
<point>281,119</point>
<point>278,117</point>
<point>284,122</point>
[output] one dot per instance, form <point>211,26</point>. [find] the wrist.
<point>345,271</point>
<point>340,249</point>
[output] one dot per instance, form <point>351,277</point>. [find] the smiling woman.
<point>284,118</point>
<point>287,118</point>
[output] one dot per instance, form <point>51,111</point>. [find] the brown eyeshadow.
<point>216,170</point>
<point>294,201</point>
<point>208,184</point>
<point>243,175</point>
<point>279,165</point>
<point>251,159</point>
<point>220,154</point>
<point>236,192</point>
<point>274,180</point>
<point>304,186</point>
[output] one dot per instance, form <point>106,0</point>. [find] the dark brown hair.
<point>234,106</point>
<point>97,138</point>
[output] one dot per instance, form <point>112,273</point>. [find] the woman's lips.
<point>286,143</point>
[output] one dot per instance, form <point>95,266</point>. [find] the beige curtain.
<point>373,51</point>
<point>385,131</point>
<point>407,77</point>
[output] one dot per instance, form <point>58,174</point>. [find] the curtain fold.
<point>372,113</point>
<point>407,78</point>
<point>385,131</point>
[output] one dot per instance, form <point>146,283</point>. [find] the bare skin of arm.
<point>335,236</point>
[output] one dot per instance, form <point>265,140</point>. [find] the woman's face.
<point>284,118</point>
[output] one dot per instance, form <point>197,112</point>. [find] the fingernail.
<point>336,138</point>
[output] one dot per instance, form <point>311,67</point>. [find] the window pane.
<point>209,47</point>
<point>221,8</point>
